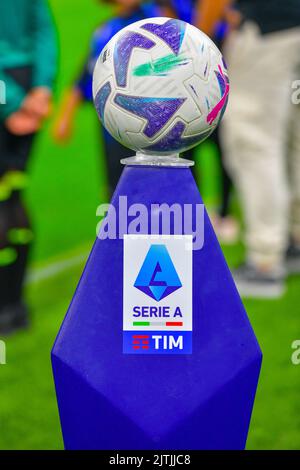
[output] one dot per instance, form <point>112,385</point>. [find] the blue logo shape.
<point>158,277</point>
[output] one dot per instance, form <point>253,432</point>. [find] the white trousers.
<point>261,137</point>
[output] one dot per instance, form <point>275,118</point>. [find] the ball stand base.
<point>112,400</point>
<point>158,160</point>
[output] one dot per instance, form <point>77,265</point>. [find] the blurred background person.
<point>127,12</point>
<point>261,134</point>
<point>27,67</point>
<point>225,225</point>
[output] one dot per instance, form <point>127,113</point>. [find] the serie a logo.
<point>158,326</point>
<point>158,277</point>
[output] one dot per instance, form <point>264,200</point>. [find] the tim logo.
<point>158,277</point>
<point>154,321</point>
<point>140,342</point>
<point>157,342</point>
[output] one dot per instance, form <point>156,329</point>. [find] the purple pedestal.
<point>111,400</point>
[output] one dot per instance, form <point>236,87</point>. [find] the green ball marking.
<point>161,66</point>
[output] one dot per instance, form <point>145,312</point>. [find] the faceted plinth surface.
<point>110,400</point>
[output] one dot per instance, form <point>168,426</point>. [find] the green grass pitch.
<point>67,183</point>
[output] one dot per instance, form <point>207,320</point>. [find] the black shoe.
<point>293,259</point>
<point>13,318</point>
<point>251,282</point>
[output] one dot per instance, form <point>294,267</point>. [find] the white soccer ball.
<point>160,86</point>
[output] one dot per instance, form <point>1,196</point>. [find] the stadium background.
<point>67,183</point>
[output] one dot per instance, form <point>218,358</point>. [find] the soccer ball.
<point>160,86</point>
